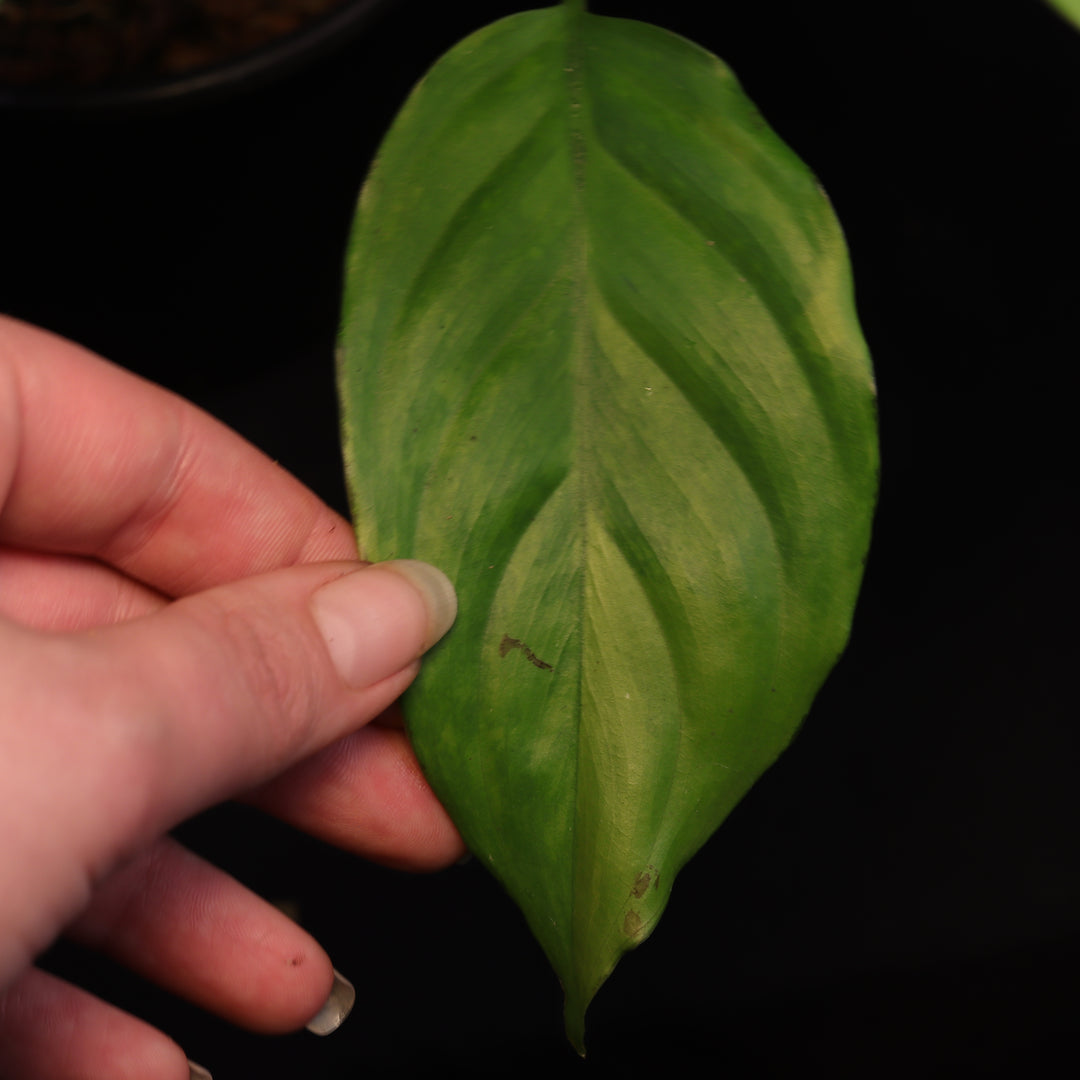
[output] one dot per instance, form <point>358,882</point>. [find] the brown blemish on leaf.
<point>632,924</point>
<point>641,885</point>
<point>509,643</point>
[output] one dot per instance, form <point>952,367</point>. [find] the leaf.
<point>600,363</point>
<point>1069,8</point>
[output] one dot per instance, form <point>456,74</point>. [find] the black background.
<point>899,895</point>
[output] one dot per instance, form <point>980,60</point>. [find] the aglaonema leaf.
<point>600,363</point>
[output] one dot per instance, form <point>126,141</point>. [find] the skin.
<point>160,651</point>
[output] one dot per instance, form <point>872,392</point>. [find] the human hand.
<point>180,622</point>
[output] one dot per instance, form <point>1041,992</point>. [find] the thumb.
<point>130,728</point>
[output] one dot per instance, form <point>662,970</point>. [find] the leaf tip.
<point>577,1001</point>
<point>575,1027</point>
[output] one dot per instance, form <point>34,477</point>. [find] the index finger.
<point>98,462</point>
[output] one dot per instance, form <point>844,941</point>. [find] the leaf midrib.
<point>575,118</point>
<point>579,127</point>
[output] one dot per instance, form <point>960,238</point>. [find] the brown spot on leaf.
<point>641,885</point>
<point>632,924</point>
<point>508,644</point>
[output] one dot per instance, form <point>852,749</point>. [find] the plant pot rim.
<point>241,73</point>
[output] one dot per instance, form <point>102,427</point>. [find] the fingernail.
<point>370,623</point>
<point>198,1072</point>
<point>437,591</point>
<point>338,1006</point>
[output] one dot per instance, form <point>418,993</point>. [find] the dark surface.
<point>899,895</point>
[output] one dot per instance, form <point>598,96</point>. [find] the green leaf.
<point>1069,8</point>
<point>600,363</point>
